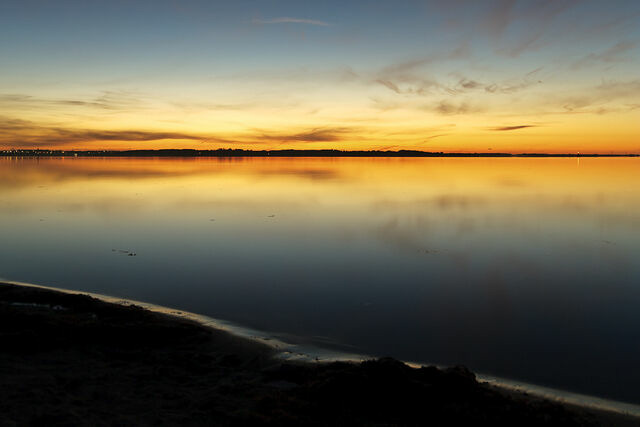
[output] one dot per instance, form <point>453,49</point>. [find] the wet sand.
<point>70,359</point>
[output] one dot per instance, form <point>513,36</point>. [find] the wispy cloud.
<point>607,97</point>
<point>460,52</point>
<point>498,19</point>
<point>511,87</point>
<point>616,89</point>
<point>535,21</point>
<point>409,86</point>
<point>107,100</point>
<point>430,137</point>
<point>409,78</point>
<point>328,134</point>
<point>508,128</point>
<point>26,133</point>
<point>506,87</point>
<point>539,17</point>
<point>447,107</point>
<point>612,54</point>
<point>465,83</point>
<point>289,20</point>
<point>120,135</point>
<point>205,106</point>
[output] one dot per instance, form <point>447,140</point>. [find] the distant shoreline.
<point>278,153</point>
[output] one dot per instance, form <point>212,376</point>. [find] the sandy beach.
<point>71,359</point>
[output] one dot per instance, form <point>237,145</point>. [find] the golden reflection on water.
<point>447,182</point>
<point>407,204</point>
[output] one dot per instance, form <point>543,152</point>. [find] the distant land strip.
<point>227,152</point>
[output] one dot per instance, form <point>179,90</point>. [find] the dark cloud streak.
<point>25,133</point>
<point>508,128</point>
<point>311,135</point>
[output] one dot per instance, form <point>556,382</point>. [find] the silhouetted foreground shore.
<point>69,359</point>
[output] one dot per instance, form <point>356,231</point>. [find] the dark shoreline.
<point>228,152</point>
<point>70,359</point>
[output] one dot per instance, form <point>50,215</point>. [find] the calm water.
<point>521,268</point>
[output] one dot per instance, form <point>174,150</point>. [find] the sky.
<point>456,76</point>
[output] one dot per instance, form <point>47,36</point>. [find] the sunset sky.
<point>462,76</point>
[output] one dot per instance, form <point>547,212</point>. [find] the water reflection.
<point>523,268</point>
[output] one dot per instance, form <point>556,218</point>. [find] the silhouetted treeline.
<point>226,152</point>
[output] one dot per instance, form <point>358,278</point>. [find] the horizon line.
<point>241,152</point>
